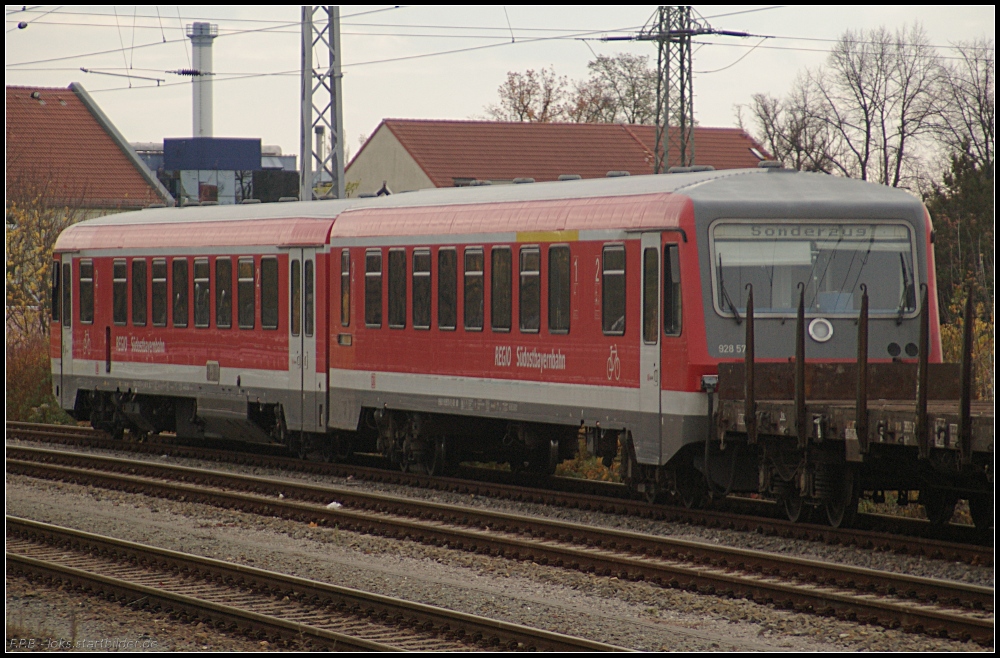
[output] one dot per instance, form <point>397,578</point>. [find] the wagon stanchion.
<point>800,370</point>
<point>750,402</point>
<point>861,402</point>
<point>923,441</point>
<point>965,400</point>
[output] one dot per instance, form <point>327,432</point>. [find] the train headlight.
<point>820,330</point>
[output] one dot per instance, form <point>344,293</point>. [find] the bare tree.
<point>530,96</point>
<point>968,113</point>
<point>868,113</point>
<point>790,130</point>
<point>590,104</point>
<point>621,89</point>
<point>878,96</point>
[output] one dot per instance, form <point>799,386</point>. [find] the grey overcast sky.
<point>416,61</point>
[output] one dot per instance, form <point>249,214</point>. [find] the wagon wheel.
<point>939,505</point>
<point>792,503</point>
<point>842,505</point>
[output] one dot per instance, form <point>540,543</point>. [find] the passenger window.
<point>559,290</point>
<point>223,293</point>
<point>67,295</point>
<point>530,296</point>
<point>309,297</point>
<point>613,290</point>
<point>87,291</point>
<point>119,293</point>
<point>345,288</point>
<point>650,298</point>
<point>474,289</point>
<point>139,292</point>
<point>159,292</point>
<point>269,293</point>
<point>180,291</point>
<point>447,288</point>
<point>671,290</point>
<point>296,298</point>
<point>397,288</point>
<point>245,290</point>
<point>421,289</point>
<point>373,288</point>
<point>202,293</point>
<point>500,289</point>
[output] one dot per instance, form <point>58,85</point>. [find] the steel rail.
<point>417,625</point>
<point>573,495</point>
<point>823,587</point>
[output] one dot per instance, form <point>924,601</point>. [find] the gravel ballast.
<point>633,615</point>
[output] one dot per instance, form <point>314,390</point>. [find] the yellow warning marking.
<point>548,236</point>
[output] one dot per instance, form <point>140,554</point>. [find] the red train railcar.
<point>169,320</point>
<point>518,322</point>
<point>496,323</point>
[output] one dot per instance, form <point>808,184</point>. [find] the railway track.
<point>935,607</point>
<point>302,613</point>
<point>568,493</point>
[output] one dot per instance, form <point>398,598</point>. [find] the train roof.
<point>624,203</point>
<point>274,224</point>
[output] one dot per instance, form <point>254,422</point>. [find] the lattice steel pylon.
<point>674,85</point>
<point>672,28</point>
<point>322,106</point>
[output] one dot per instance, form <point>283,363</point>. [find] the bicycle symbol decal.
<point>614,364</point>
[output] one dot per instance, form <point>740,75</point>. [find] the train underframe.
<point>815,481</point>
<point>412,441</point>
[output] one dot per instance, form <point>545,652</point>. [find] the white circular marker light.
<point>820,330</point>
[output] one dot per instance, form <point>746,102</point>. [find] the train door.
<point>649,350</point>
<point>66,330</point>
<point>675,403</point>
<point>307,413</point>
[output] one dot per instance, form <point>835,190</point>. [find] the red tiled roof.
<point>56,139</point>
<point>491,150</point>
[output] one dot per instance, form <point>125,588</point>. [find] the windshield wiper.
<point>904,300</point>
<point>725,295</point>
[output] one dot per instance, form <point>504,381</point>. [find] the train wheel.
<point>543,457</point>
<point>303,446</point>
<point>691,487</point>
<point>436,459</point>
<point>653,490</point>
<point>631,470</point>
<point>841,505</point>
<point>981,510</point>
<point>939,505</point>
<point>338,448</point>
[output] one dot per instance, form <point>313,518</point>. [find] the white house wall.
<point>384,159</point>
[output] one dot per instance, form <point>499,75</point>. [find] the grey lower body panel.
<point>656,438</point>
<point>221,403</point>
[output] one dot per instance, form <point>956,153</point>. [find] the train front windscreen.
<point>831,259</point>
